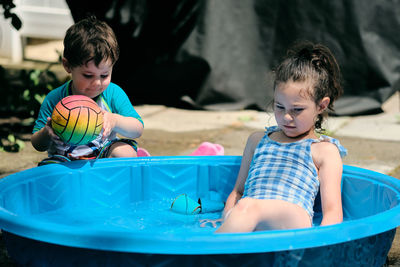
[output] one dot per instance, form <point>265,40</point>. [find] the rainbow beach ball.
<point>77,120</point>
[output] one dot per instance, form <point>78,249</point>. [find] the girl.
<point>283,169</point>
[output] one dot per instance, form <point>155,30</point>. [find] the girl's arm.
<point>330,167</point>
<point>237,191</point>
<point>127,126</point>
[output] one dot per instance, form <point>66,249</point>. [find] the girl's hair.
<point>314,63</point>
<point>90,39</point>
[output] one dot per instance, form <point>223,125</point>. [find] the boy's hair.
<point>90,39</point>
<point>316,64</point>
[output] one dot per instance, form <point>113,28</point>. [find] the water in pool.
<point>144,216</point>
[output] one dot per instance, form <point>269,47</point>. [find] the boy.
<point>90,52</point>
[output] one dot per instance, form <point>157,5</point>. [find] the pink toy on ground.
<point>141,152</point>
<point>208,149</point>
<point>204,149</point>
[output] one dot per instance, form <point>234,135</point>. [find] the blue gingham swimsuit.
<point>285,171</point>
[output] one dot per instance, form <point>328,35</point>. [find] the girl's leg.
<point>257,214</point>
<point>244,217</point>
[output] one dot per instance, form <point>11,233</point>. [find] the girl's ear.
<point>323,104</point>
<point>66,65</point>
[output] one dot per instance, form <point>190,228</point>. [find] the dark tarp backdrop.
<point>220,54</point>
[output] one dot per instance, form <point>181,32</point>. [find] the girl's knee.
<point>243,217</point>
<point>246,207</point>
<point>121,150</point>
<point>245,203</point>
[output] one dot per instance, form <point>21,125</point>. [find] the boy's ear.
<point>324,103</point>
<point>66,65</point>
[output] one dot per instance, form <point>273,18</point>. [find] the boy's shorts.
<point>102,154</point>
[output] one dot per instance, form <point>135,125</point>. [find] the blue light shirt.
<point>113,99</point>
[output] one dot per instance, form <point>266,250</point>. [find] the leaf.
<point>246,118</point>
<point>25,95</point>
<point>28,121</point>
<point>20,144</point>
<point>35,77</point>
<point>16,22</point>
<point>11,138</point>
<point>39,98</point>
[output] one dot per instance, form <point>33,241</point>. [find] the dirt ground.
<point>362,152</point>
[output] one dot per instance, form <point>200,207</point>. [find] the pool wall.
<point>370,203</point>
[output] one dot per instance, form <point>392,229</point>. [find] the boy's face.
<point>89,80</point>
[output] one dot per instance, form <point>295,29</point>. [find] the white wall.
<point>47,19</point>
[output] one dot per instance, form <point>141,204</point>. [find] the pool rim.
<point>200,244</point>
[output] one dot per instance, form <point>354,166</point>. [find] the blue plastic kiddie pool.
<point>116,212</point>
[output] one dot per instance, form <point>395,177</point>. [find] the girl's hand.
<point>210,222</point>
<point>109,122</point>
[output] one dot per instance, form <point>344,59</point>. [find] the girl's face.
<point>89,80</point>
<point>295,109</point>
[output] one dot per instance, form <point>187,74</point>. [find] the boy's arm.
<point>42,139</point>
<point>127,126</point>
<point>238,190</point>
<point>121,115</point>
<point>330,175</point>
<point>43,134</point>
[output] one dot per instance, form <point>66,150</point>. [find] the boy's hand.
<point>109,122</point>
<point>48,130</point>
<point>128,127</point>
